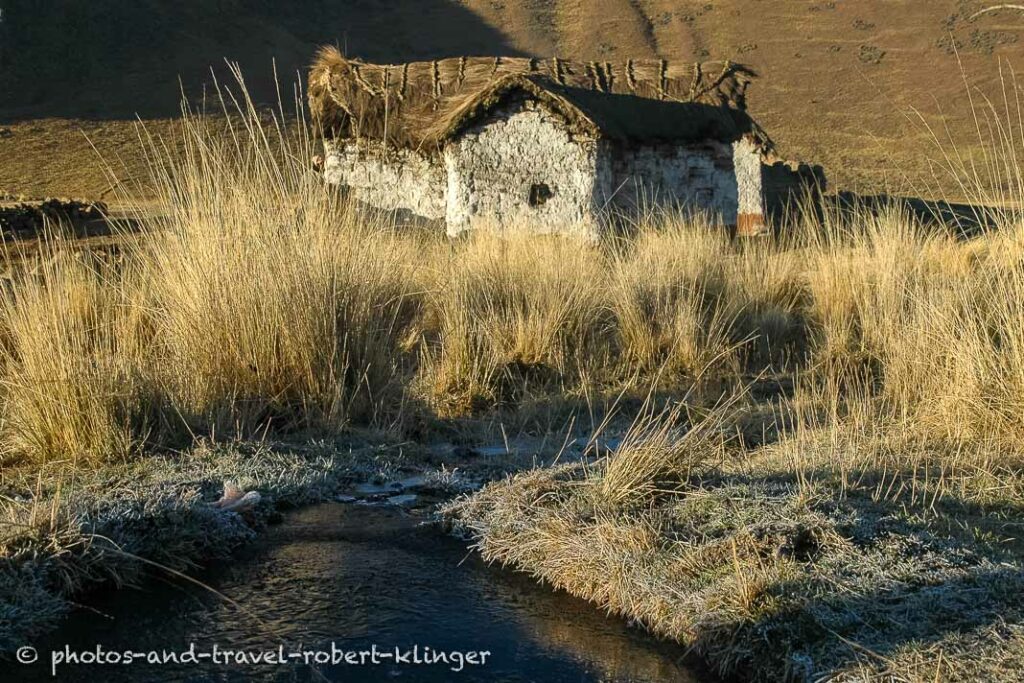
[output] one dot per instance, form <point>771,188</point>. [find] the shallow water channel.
<point>358,576</point>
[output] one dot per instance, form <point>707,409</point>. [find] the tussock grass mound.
<point>807,560</point>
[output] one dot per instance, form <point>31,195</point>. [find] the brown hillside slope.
<point>836,78</point>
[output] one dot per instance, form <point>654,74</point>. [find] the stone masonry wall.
<point>391,180</point>
<point>522,167</point>
<point>688,177</point>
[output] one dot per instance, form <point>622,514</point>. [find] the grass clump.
<point>667,294</point>
<point>660,453</point>
<point>273,306</point>
<point>72,385</point>
<point>514,316</point>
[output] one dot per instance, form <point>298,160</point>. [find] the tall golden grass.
<point>72,379</point>
<point>256,299</point>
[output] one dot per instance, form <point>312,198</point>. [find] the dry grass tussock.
<point>72,384</point>
<point>270,305</point>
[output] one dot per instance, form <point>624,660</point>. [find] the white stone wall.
<point>747,162</point>
<point>687,177</point>
<point>750,187</point>
<point>391,180</point>
<point>522,168</point>
<point>521,153</point>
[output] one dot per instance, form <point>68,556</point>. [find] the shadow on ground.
<point>968,220</point>
<point>791,192</point>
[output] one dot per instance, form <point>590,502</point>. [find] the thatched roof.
<point>423,105</point>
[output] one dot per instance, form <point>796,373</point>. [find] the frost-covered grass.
<point>63,532</point>
<point>829,555</point>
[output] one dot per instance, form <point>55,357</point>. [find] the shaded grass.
<point>63,533</point>
<point>772,568</point>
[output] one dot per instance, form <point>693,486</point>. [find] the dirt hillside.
<point>837,79</point>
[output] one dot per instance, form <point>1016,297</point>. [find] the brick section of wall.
<point>698,178</point>
<point>750,225</point>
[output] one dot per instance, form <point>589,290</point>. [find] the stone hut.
<point>555,145</point>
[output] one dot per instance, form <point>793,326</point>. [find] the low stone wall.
<point>28,219</point>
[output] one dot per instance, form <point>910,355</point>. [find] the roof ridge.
<point>356,99</point>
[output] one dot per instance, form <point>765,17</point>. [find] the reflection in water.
<point>357,576</point>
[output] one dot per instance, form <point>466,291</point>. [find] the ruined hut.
<point>552,144</point>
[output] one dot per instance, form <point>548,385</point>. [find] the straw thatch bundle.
<point>422,105</point>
